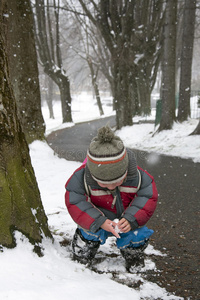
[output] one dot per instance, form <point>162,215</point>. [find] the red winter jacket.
<point>90,205</point>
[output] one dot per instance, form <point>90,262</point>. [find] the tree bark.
<point>49,96</point>
<point>23,68</point>
<point>168,67</point>
<point>144,92</point>
<point>122,97</point>
<point>95,86</point>
<point>186,60</point>
<point>21,208</point>
<point>65,96</point>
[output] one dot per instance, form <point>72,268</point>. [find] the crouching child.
<point>110,186</point>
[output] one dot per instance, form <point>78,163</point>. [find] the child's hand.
<point>109,226</point>
<point>124,225</point>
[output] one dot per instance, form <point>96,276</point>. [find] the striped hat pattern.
<point>107,158</point>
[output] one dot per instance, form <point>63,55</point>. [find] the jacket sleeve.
<point>144,203</point>
<point>84,213</point>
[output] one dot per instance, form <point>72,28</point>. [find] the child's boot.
<point>83,250</point>
<point>134,257</point>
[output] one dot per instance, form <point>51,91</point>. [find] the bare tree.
<point>168,67</point>
<point>23,68</point>
<point>186,60</point>
<point>48,41</point>
<point>20,204</point>
<point>84,47</point>
<point>121,24</point>
<point>94,75</point>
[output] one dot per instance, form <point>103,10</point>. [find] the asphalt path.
<point>72,143</point>
<point>176,221</point>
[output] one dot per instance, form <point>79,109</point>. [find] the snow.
<point>24,275</point>
<point>175,142</point>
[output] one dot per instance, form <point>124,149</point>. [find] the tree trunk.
<point>149,18</point>
<point>133,91</point>
<point>144,92</point>
<point>49,96</point>
<point>65,96</point>
<point>186,60</point>
<point>95,86</point>
<point>168,67</point>
<point>122,96</point>
<point>20,204</point>
<point>23,68</point>
<point>63,84</point>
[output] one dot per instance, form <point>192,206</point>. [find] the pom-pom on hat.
<point>107,158</point>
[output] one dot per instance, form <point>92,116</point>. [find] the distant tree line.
<point>127,42</point>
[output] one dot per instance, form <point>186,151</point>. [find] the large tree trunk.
<point>148,19</point>
<point>20,204</point>
<point>122,97</point>
<point>23,68</point>
<point>186,60</point>
<point>144,92</point>
<point>168,67</point>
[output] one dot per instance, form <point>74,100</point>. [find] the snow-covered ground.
<point>25,276</point>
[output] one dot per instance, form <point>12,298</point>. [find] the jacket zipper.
<point>114,201</point>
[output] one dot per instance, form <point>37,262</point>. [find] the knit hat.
<point>107,158</point>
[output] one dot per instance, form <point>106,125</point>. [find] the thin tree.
<point>49,95</point>
<point>93,66</point>
<point>168,67</point>
<point>49,49</point>
<point>23,68</point>
<point>21,208</point>
<point>186,60</point>
<point>84,47</point>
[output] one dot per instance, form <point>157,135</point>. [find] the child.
<point>110,186</point>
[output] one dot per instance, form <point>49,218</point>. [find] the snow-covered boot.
<point>134,257</point>
<point>83,250</point>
